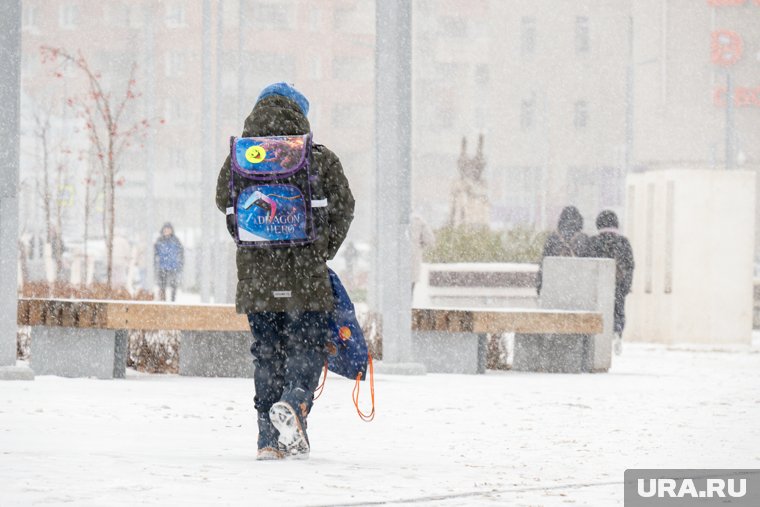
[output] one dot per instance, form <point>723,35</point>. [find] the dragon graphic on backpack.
<point>270,187</point>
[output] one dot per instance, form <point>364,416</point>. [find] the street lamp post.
<point>10,87</point>
<point>393,104</point>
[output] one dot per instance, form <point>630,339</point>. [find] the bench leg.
<point>120,353</point>
<point>78,352</point>
<point>216,354</point>
<point>552,353</point>
<point>443,352</point>
<point>482,352</point>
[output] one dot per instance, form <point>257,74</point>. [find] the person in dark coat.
<point>567,241</point>
<point>610,244</point>
<point>286,291</point>
<point>168,261</point>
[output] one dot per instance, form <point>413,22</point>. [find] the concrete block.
<point>446,352</point>
<point>16,372</point>
<point>553,353</point>
<point>78,352</point>
<point>573,283</point>
<point>216,354</point>
<point>693,238</point>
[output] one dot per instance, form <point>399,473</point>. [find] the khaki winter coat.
<point>292,278</point>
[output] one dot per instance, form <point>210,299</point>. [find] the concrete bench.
<point>454,340</point>
<point>89,338</point>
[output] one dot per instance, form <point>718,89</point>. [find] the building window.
<point>229,82</point>
<point>581,35</point>
<point>481,75</point>
<point>117,15</point>
<point>315,20</point>
<point>174,110</point>
<point>137,16</point>
<point>268,67</point>
<point>581,115</point>
<point>446,115</point>
<point>527,114</point>
<point>453,26</point>
<point>175,14</point>
<point>357,17</point>
<point>68,16</point>
<point>315,67</point>
<point>528,35</point>
<point>175,63</point>
<point>28,17</point>
<point>272,16</point>
<point>352,68</point>
<point>177,159</point>
<point>350,115</point>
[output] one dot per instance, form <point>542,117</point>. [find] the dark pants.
<point>289,351</point>
<point>619,312</point>
<point>167,278</point>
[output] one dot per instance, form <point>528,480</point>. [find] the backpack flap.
<point>267,158</point>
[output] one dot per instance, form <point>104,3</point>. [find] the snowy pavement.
<point>503,438</point>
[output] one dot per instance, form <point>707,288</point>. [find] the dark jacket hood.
<point>570,221</point>
<point>276,115</point>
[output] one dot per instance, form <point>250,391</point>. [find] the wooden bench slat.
<point>149,316</point>
<point>501,321</point>
<point>152,316</point>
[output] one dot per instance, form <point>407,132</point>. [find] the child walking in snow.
<point>286,231</point>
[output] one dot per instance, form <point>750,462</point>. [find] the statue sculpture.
<point>470,204</point>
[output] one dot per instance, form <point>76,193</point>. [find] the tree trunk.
<point>110,208</point>
<point>86,229</point>
<point>45,184</point>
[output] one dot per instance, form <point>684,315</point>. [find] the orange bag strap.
<point>355,395</point>
<point>321,387</point>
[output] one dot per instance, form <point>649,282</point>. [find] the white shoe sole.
<point>291,434</point>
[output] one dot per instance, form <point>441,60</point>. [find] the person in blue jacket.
<point>168,261</point>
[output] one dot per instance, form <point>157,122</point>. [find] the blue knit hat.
<point>287,91</point>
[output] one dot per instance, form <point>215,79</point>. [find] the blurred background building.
<point>570,97</point>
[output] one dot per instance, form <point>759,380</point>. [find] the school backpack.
<point>270,189</point>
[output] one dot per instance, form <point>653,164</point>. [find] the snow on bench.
<point>88,338</point>
<point>476,284</point>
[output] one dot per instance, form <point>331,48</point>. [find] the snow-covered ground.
<point>495,439</point>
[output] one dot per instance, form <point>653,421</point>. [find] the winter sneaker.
<point>617,344</point>
<point>268,445</point>
<point>291,424</point>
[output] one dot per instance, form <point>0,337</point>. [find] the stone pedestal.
<point>78,352</point>
<point>216,354</point>
<point>572,283</point>
<point>446,352</point>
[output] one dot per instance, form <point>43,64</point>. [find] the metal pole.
<point>10,88</point>
<point>393,103</point>
<point>150,145</point>
<point>220,262</point>
<point>629,90</point>
<point>207,192</point>
<point>730,150</point>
